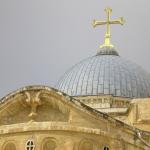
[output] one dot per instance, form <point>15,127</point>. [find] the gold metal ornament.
<point>108,22</point>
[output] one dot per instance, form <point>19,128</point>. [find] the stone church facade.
<point>101,103</point>
<point>43,118</point>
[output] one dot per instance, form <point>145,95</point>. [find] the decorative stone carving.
<point>32,106</point>
<point>33,100</point>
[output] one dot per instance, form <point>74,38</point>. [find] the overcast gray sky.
<point>41,39</point>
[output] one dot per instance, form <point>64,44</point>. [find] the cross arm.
<point>118,21</point>
<point>95,23</point>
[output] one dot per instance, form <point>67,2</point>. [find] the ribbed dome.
<point>106,73</point>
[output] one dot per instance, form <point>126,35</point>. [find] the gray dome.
<point>107,74</point>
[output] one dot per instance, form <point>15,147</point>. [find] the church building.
<point>101,103</point>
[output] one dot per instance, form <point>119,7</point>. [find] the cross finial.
<point>108,22</point>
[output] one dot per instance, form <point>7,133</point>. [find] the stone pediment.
<point>33,104</point>
<point>44,104</point>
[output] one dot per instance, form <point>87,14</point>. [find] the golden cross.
<point>108,22</point>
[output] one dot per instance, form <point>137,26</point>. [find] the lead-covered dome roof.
<point>106,74</point>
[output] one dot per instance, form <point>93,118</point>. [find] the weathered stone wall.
<point>66,141</point>
<point>47,119</point>
<point>139,114</point>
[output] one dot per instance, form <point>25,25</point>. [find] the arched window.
<point>86,145</point>
<point>30,145</point>
<point>106,148</point>
<point>10,146</point>
<point>49,144</point>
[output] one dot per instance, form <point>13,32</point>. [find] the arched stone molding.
<point>87,144</point>
<point>10,145</point>
<point>49,144</point>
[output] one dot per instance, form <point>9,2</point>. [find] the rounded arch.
<point>86,145</point>
<point>9,146</point>
<point>49,144</point>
